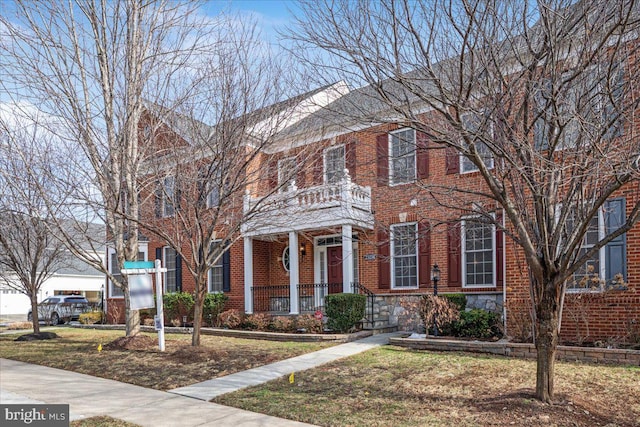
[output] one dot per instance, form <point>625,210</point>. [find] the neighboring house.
<point>75,278</point>
<point>351,220</point>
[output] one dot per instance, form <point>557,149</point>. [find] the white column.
<point>294,273</point>
<point>248,275</point>
<point>347,258</point>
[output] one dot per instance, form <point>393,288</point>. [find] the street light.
<point>435,276</point>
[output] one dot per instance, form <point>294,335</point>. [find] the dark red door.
<point>334,268</point>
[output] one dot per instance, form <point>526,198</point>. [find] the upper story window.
<point>404,255</point>
<point>334,164</point>
<point>286,173</point>
<point>402,158</point>
<point>167,198</point>
<point>472,123</point>
<point>478,254</point>
<point>580,108</point>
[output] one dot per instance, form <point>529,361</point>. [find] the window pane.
<point>405,270</point>
<point>478,252</point>
<point>335,164</point>
<point>403,160</point>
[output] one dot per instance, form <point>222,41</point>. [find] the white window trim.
<point>464,158</point>
<point>166,197</point>
<point>413,179</point>
<point>463,256</point>
<point>209,275</point>
<point>281,174</point>
<point>602,273</point>
<point>142,247</point>
<point>392,264</point>
<point>324,159</point>
<point>166,274</point>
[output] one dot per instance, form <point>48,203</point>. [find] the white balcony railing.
<point>320,206</point>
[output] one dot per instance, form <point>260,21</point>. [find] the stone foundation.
<point>401,310</point>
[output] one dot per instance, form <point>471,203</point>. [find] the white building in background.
<point>76,278</point>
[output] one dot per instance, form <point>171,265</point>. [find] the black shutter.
<point>178,272</point>
<point>424,254</point>
<point>382,148</point>
<point>350,158</point>
<point>616,250</point>
<point>422,155</point>
<point>157,200</point>
<point>226,271</point>
<point>452,161</point>
<point>384,266</point>
<point>159,254</point>
<point>454,258</point>
<point>499,251</point>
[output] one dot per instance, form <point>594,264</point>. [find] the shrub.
<point>213,306</point>
<point>90,318</point>
<point>176,306</point>
<point>460,300</point>
<point>257,322</point>
<point>438,310</point>
<point>477,323</point>
<point>282,324</point>
<point>344,311</point>
<point>231,318</point>
<point>309,323</point>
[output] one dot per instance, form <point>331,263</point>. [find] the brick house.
<point>354,216</point>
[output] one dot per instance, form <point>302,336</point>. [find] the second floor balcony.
<point>328,205</point>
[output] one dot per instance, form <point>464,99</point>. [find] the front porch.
<point>309,298</point>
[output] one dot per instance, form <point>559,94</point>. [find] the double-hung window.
<point>334,164</point>
<point>402,162</point>
<point>478,254</point>
<point>404,252</point>
<point>473,126</point>
<point>607,266</point>
<point>170,277</point>
<point>216,276</point>
<point>286,173</point>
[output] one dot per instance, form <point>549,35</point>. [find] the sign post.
<point>141,290</point>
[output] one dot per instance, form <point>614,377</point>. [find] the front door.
<point>334,269</point>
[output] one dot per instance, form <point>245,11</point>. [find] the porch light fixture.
<point>435,276</point>
<point>303,250</point>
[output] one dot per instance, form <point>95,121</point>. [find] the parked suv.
<point>60,308</point>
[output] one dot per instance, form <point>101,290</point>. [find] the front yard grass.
<point>392,386</point>
<point>144,365</point>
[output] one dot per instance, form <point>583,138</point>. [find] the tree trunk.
<point>548,312</point>
<point>132,317</point>
<point>34,313</point>
<point>197,320</point>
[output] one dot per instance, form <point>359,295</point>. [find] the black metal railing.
<point>368,320</point>
<point>311,297</point>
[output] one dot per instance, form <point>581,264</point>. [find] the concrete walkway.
<point>207,390</point>
<point>90,396</point>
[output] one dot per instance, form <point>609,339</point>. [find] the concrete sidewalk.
<point>207,390</point>
<point>90,396</point>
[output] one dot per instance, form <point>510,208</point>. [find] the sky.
<point>271,15</point>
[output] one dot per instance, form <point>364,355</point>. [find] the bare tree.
<point>29,252</point>
<point>89,64</point>
<point>538,98</point>
<point>209,151</point>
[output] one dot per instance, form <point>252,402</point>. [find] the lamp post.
<point>435,276</point>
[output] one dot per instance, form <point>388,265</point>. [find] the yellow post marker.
<point>99,348</point>
<point>291,378</point>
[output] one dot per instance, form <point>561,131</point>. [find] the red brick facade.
<point>610,315</point>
